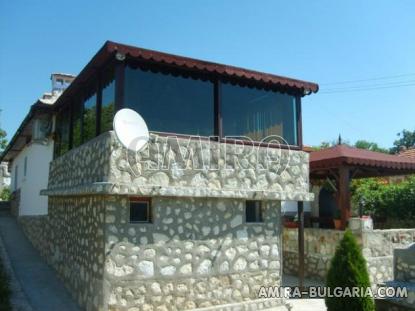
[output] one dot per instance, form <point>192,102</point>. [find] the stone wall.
<point>181,167</point>
<point>404,264</point>
<point>15,203</point>
<point>36,228</point>
<point>320,245</point>
<point>319,248</point>
<point>71,239</point>
<point>197,253</point>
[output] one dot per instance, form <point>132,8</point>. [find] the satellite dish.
<point>131,129</point>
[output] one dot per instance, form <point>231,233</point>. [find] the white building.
<point>31,150</point>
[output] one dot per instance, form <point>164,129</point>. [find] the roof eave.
<point>36,107</point>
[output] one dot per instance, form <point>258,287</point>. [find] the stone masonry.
<point>320,245</point>
<point>197,253</point>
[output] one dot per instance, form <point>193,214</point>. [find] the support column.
<point>344,195</point>
<point>300,213</point>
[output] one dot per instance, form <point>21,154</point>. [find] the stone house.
<point>192,221</point>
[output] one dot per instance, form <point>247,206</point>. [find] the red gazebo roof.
<point>343,155</point>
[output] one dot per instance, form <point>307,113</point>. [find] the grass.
<point>4,289</point>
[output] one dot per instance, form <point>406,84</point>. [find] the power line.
<point>360,89</point>
<point>370,79</point>
<point>369,85</point>
<point>352,87</point>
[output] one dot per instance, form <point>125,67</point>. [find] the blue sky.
<point>322,41</point>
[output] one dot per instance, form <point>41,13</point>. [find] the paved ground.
<point>38,281</point>
<point>304,304</point>
<point>308,304</point>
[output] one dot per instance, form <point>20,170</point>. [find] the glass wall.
<point>89,118</point>
<point>76,125</point>
<point>171,104</point>
<point>179,105</point>
<point>61,145</point>
<point>258,114</point>
<point>107,107</point>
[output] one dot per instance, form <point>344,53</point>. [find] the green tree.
<point>406,139</point>
<point>3,140</point>
<point>392,202</point>
<point>364,144</point>
<point>348,270</point>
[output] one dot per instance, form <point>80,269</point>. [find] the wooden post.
<point>119,86</point>
<point>344,195</point>
<point>300,212</point>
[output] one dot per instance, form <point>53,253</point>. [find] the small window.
<point>25,167</point>
<point>140,210</point>
<point>253,211</point>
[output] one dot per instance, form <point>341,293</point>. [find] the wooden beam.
<point>299,122</point>
<point>218,130</point>
<point>119,86</point>
<point>344,194</point>
<point>300,213</point>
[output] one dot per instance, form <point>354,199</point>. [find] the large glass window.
<point>107,107</point>
<point>89,118</point>
<point>258,114</point>
<point>62,132</point>
<point>76,126</point>
<point>169,103</point>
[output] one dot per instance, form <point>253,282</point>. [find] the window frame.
<point>170,73</point>
<point>218,120</point>
<point>118,71</point>
<point>261,212</point>
<point>146,200</point>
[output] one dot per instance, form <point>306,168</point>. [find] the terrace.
<point>180,96</point>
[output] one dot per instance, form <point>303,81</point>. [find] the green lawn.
<point>4,290</point>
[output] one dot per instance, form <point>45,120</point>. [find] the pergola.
<point>343,163</point>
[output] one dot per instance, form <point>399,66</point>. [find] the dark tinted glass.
<point>107,108</point>
<point>170,104</point>
<point>76,128</point>
<point>89,118</point>
<point>61,144</point>
<point>140,211</point>
<point>258,114</point>
<point>253,211</point>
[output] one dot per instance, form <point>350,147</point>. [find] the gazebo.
<point>343,163</point>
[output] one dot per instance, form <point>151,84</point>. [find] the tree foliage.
<point>406,139</point>
<point>348,269</point>
<point>364,144</point>
<point>393,202</point>
<point>3,140</point>
<point>5,194</point>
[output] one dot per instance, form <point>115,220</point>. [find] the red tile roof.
<point>209,67</point>
<point>410,153</point>
<point>345,155</point>
<point>110,49</point>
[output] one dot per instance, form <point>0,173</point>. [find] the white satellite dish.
<point>131,129</point>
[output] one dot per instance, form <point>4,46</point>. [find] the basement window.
<point>253,211</point>
<point>140,210</point>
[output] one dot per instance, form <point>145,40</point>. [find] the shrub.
<point>5,194</point>
<point>348,269</point>
<point>392,201</point>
